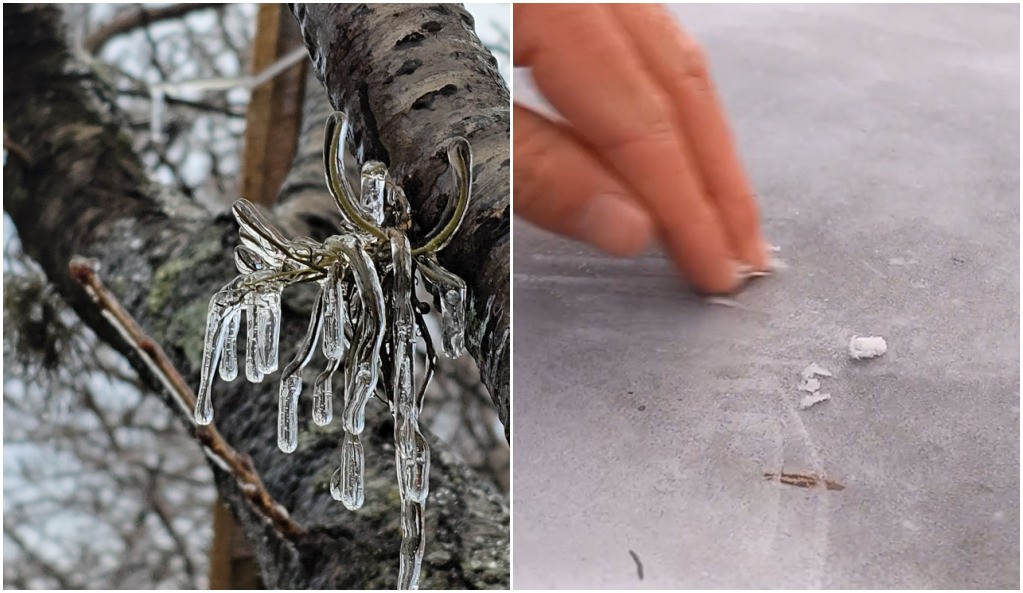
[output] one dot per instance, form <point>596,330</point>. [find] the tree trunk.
<point>73,186</point>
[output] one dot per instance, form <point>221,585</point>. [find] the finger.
<point>583,63</point>
<point>562,188</point>
<point>679,66</point>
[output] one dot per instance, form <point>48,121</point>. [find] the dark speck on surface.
<point>639,565</point>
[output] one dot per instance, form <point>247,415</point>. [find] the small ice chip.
<point>723,302</point>
<point>812,399</point>
<point>810,384</point>
<point>815,370</point>
<point>861,347</point>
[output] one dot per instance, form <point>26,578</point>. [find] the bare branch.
<point>139,16</point>
<point>216,448</point>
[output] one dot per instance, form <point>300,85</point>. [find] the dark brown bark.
<point>406,108</point>
<point>82,191</point>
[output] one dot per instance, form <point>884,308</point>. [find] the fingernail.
<point>615,224</point>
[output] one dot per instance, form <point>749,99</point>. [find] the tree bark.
<point>413,76</point>
<point>82,191</point>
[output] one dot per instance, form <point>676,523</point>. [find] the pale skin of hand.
<point>644,149</point>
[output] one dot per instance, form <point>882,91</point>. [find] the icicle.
<point>323,394</point>
<point>374,182</point>
<point>403,328</point>
<point>363,369</point>
<point>223,307</point>
<point>252,364</point>
<point>348,482</point>
<point>268,326</point>
<point>413,544</point>
<point>287,413</point>
<point>449,291</point>
<point>414,459</point>
<point>334,313</point>
<point>291,382</point>
<point>229,360</point>
<point>411,452</point>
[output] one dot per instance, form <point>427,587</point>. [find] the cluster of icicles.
<point>366,319</point>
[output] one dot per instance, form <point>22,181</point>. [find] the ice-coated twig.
<point>449,292</point>
<point>253,365</point>
<point>337,182</point>
<point>411,451</point>
<point>460,160</point>
<point>291,381</point>
<point>366,319</point>
<point>159,366</point>
<point>223,307</point>
<point>334,312</point>
<point>323,394</point>
<point>363,369</point>
<point>431,354</point>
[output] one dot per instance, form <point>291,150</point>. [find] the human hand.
<point>645,147</point>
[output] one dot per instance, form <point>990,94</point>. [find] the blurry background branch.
<point>139,16</point>
<point>102,486</point>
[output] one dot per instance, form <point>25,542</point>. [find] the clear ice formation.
<point>449,293</point>
<point>291,382</point>
<point>867,347</point>
<point>229,360</point>
<point>411,452</point>
<point>365,307</point>
<point>374,179</point>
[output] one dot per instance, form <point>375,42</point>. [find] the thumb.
<point>563,188</point>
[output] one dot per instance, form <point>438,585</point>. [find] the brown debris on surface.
<point>804,480</point>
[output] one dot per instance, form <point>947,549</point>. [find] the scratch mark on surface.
<point>822,504</point>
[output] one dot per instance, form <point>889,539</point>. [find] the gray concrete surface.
<point>884,142</point>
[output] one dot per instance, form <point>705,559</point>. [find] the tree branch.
<point>214,445</point>
<point>139,16</point>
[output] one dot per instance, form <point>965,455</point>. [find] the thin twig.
<point>214,445</point>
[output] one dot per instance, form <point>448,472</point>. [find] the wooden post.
<point>274,116</point>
